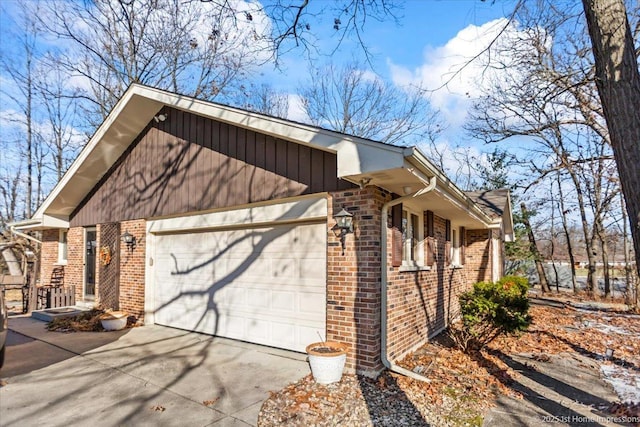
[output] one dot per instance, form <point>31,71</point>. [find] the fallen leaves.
<point>462,386</point>
<point>158,408</point>
<point>210,402</point>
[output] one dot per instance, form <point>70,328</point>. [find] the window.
<point>457,247</point>
<point>412,242</point>
<point>62,247</point>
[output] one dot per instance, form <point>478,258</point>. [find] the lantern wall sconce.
<point>344,226</point>
<point>129,240</point>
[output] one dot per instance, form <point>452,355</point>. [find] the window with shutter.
<point>396,235</point>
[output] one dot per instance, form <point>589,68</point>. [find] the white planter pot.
<point>327,361</point>
<point>114,321</point>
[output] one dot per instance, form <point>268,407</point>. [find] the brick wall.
<point>74,271</point>
<point>419,303</point>
<point>479,255</point>
<point>353,280</point>
<point>132,265</point>
<point>48,254</point>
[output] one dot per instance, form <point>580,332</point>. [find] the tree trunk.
<point>565,227</point>
<point>628,276</point>
<point>588,236</point>
<point>618,82</point>
<point>553,244</point>
<point>602,237</point>
<point>544,284</point>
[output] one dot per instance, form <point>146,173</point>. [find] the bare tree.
<point>548,98</point>
<point>351,100</point>
<point>191,47</point>
<point>618,82</point>
<point>262,98</point>
<point>533,247</point>
<point>295,22</point>
<point>564,213</point>
<point>22,92</point>
<point>63,138</point>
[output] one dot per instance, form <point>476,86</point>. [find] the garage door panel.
<point>264,285</point>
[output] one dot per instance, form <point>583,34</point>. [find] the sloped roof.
<point>360,161</point>
<point>492,202</point>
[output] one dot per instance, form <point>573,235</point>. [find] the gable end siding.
<point>189,163</point>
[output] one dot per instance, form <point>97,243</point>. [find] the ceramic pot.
<point>114,320</point>
<point>327,361</point>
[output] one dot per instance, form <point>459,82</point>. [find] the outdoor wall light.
<point>160,118</point>
<point>129,240</point>
<point>344,226</point>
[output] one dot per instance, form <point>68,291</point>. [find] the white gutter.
<point>383,277</point>
<point>413,153</point>
<point>26,236</point>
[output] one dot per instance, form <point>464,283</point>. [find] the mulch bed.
<point>462,386</point>
<point>88,321</point>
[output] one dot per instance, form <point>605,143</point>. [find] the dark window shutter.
<point>447,230</point>
<point>429,226</point>
<point>463,244</point>
<point>396,235</point>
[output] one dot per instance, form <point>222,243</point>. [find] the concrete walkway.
<point>151,375</point>
<point>565,390</point>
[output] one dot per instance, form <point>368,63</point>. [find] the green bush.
<point>490,310</point>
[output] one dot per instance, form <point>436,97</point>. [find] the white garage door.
<point>262,285</point>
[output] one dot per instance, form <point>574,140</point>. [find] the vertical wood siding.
<point>190,163</point>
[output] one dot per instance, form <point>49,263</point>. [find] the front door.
<point>90,264</point>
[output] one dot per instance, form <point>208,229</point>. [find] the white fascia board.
<point>43,223</point>
<point>446,186</point>
<point>113,138</point>
<point>305,209</point>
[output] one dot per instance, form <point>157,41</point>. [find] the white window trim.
<point>455,247</point>
<point>418,262</point>
<point>63,247</point>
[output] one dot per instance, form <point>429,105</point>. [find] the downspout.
<point>383,275</point>
<point>26,236</point>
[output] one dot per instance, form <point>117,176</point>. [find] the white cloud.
<point>449,71</point>
<point>296,112</point>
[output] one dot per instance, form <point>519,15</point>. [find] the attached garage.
<point>260,282</point>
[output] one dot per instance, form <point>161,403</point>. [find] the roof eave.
<point>445,185</point>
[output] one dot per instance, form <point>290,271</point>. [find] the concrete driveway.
<point>151,375</point>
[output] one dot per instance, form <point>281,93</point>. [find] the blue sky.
<point>431,40</point>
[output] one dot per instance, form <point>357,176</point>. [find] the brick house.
<point>232,216</point>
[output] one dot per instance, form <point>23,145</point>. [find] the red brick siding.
<point>132,266</point>
<point>109,274</point>
<point>49,254</point>
<point>479,255</point>
<point>353,280</point>
<point>421,303</point>
<point>74,271</point>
